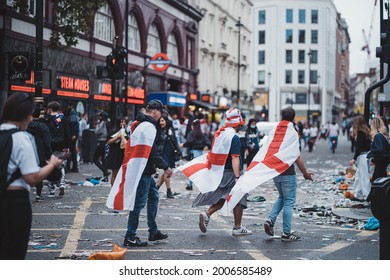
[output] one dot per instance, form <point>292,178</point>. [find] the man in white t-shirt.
<point>333,133</point>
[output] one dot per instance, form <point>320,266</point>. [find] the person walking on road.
<point>20,171</point>
<point>60,142</point>
<point>196,143</point>
<point>116,154</point>
<point>169,148</point>
<point>362,135</point>
<point>224,164</point>
<point>380,150</point>
<point>73,122</point>
<point>139,187</point>
<point>101,132</point>
<point>286,184</point>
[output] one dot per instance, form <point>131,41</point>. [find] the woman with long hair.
<point>116,154</point>
<point>362,136</point>
<point>196,143</point>
<point>15,205</point>
<point>380,148</point>
<point>168,146</point>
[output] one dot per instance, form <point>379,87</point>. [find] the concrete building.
<point>294,50</point>
<point>224,53</point>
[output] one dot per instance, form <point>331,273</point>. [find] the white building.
<point>219,49</point>
<point>284,33</point>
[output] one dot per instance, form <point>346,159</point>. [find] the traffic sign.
<point>160,62</point>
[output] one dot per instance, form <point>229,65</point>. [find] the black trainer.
<point>134,242</point>
<point>157,236</point>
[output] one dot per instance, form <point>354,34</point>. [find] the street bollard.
<point>380,207</point>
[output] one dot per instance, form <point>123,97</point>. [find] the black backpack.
<point>56,127</point>
<point>6,147</point>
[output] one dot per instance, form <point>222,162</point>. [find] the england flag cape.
<point>206,171</point>
<point>278,153</point>
<point>138,147</point>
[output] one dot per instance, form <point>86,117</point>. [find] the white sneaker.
<point>203,222</point>
<point>241,231</point>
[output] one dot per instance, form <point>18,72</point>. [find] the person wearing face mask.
<point>253,135</point>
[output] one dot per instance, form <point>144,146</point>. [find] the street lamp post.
<point>239,25</point>
<point>308,89</point>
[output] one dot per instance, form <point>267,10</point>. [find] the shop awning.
<point>202,104</point>
<point>169,98</point>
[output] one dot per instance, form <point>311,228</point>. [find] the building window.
<point>261,37</point>
<point>302,36</point>
<point>314,36</point>
<point>289,56</point>
<point>288,77</point>
<point>133,36</point>
<point>173,52</point>
<point>154,45</point>
<point>314,57</point>
<point>301,76</point>
<point>104,24</point>
<point>29,9</point>
<point>190,55</point>
<point>261,77</point>
<point>302,16</point>
<point>300,98</point>
<point>262,17</point>
<point>289,15</point>
<point>314,16</point>
<point>261,57</point>
<point>301,56</point>
<point>313,76</point>
<point>289,36</point>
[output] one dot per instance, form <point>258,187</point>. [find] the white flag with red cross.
<point>137,151</point>
<point>278,153</point>
<point>206,171</point>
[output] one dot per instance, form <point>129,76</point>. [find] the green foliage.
<point>71,18</point>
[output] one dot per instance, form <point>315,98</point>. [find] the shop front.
<point>175,101</point>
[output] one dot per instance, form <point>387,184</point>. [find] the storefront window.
<point>154,45</point>
<point>173,53</point>
<point>133,35</point>
<point>104,24</point>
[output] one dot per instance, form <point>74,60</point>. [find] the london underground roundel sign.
<point>160,62</point>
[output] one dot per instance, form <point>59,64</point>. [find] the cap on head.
<point>156,104</point>
<point>234,118</point>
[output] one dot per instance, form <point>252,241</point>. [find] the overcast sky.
<point>358,14</point>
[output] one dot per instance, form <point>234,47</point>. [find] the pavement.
<point>353,210</point>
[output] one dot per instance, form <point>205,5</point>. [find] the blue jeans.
<point>287,187</point>
<point>147,192</point>
<point>196,153</point>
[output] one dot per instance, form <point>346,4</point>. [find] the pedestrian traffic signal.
<point>383,52</point>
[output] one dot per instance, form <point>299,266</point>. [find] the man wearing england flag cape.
<point>216,172</point>
<point>275,160</point>
<point>134,185</point>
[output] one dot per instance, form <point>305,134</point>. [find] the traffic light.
<point>115,65</point>
<point>383,52</point>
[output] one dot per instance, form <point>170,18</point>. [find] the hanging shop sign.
<point>71,86</point>
<point>160,62</point>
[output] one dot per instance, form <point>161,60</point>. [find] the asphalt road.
<point>78,224</point>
